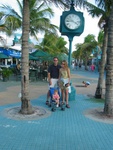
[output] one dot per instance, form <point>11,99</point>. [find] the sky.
<point>91,24</point>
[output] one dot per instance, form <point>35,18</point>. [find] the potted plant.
<point>6,72</point>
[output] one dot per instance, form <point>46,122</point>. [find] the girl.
<point>56,97</point>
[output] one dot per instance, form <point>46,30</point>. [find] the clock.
<point>72,21</point>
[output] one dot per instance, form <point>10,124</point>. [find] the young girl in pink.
<point>92,67</point>
<point>56,97</point>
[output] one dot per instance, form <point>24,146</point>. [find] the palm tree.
<point>40,15</point>
<point>108,106</point>
<point>98,93</point>
<point>54,48</point>
<point>26,107</point>
<point>85,49</point>
<point>102,10</point>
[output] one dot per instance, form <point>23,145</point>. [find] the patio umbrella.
<point>63,56</point>
<point>31,57</point>
<point>3,56</point>
<point>39,53</point>
<point>47,58</point>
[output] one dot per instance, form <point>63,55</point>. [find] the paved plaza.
<point>71,129</point>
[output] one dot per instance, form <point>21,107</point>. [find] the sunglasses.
<point>55,60</point>
<point>63,64</point>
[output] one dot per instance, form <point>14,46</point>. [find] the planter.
<point>6,72</point>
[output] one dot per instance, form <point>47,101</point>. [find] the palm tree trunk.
<point>85,63</point>
<point>98,93</point>
<point>108,106</point>
<point>26,107</point>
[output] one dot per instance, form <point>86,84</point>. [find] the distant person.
<point>80,65</point>
<point>76,65</point>
<point>73,65</point>
<point>86,83</point>
<point>45,69</point>
<point>92,67</point>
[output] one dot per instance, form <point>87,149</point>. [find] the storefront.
<point>14,56</point>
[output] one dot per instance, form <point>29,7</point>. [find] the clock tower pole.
<point>70,39</point>
<point>70,50</point>
<point>71,24</point>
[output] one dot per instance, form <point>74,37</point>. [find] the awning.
<point>9,52</point>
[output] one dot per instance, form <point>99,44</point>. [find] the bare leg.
<point>63,95</point>
<point>48,96</point>
<point>66,95</point>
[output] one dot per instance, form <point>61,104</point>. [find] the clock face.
<point>72,21</point>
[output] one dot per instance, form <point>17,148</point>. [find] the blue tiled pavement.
<point>62,130</point>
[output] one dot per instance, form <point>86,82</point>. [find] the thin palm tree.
<point>26,107</point>
<point>102,10</point>
<point>108,106</point>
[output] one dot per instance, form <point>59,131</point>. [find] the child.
<point>56,97</point>
<point>86,83</point>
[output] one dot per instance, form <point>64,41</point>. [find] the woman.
<point>64,75</point>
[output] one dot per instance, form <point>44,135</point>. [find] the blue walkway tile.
<point>62,130</point>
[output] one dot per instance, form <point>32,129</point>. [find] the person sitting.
<point>86,84</point>
<point>56,97</point>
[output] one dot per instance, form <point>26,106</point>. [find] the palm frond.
<point>9,11</point>
<point>93,10</point>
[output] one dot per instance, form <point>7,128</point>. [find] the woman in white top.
<point>64,76</point>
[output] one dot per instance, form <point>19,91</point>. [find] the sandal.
<point>62,103</point>
<point>67,105</point>
<point>47,102</point>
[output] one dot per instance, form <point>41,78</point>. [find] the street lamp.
<point>16,40</point>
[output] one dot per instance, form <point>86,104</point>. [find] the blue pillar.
<point>70,50</point>
<point>72,95</point>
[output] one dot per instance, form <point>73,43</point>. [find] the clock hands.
<point>72,21</point>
